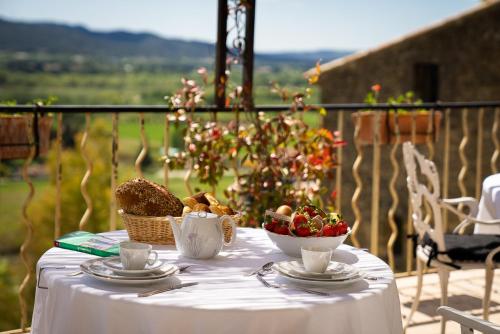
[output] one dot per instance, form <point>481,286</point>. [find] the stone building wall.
<point>468,54</point>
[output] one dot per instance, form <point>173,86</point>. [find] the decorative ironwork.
<point>237,11</point>
<point>166,146</point>
<point>29,229</point>
<point>144,151</point>
<point>374,226</point>
<point>57,214</point>
<point>394,195</point>
<point>463,157</point>
<point>496,142</point>
<point>479,149</point>
<point>359,185</point>
<point>114,171</point>
<point>83,185</point>
<point>240,35</point>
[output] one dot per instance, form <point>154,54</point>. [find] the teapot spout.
<point>176,229</point>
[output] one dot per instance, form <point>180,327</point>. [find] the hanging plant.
<point>19,133</point>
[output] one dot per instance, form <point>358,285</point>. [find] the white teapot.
<point>201,236</point>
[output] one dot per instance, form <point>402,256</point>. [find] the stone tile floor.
<point>465,293</point>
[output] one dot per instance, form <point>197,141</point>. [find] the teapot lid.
<point>202,214</point>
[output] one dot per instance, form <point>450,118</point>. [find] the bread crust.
<point>145,198</point>
<point>200,198</point>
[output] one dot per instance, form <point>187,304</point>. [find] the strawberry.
<point>299,220</point>
<point>343,227</point>
<point>303,231</point>
<point>282,229</point>
<point>329,230</point>
<point>270,226</point>
<point>270,223</point>
<point>310,211</point>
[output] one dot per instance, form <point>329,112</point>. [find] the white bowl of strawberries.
<point>307,226</point>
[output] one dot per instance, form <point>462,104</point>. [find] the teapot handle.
<point>233,229</point>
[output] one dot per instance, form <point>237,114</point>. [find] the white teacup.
<point>135,256</point>
<point>316,259</point>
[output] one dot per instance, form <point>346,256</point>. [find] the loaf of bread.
<point>205,202</point>
<point>200,198</point>
<point>141,197</point>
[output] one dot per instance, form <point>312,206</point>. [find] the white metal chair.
<point>438,249</point>
<point>468,323</point>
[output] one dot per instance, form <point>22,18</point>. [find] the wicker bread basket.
<point>157,230</point>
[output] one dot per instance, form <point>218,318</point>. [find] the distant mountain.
<point>58,38</point>
<point>65,39</point>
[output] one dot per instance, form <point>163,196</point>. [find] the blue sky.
<point>281,25</point>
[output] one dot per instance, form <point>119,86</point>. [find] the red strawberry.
<point>281,229</point>
<point>311,211</point>
<point>270,225</point>
<point>299,220</point>
<point>303,231</point>
<point>329,230</point>
<point>343,227</point>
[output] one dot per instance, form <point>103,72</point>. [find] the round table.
<point>226,300</point>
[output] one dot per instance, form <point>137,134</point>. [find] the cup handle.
<point>233,229</point>
<point>154,259</point>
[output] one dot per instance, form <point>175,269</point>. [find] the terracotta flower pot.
<point>15,140</point>
<point>423,127</point>
<point>366,129</point>
<point>387,127</point>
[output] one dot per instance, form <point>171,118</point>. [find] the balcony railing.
<point>369,183</point>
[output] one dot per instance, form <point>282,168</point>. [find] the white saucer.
<point>337,274</point>
<point>125,281</point>
<point>319,282</point>
<point>114,263</point>
<point>336,271</point>
<point>98,270</point>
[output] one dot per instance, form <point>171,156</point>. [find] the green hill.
<point>51,38</point>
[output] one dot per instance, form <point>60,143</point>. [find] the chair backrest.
<point>420,192</point>
<point>468,323</point>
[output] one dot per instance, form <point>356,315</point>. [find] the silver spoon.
<point>264,268</point>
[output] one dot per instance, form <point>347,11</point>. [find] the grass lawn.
<point>12,196</point>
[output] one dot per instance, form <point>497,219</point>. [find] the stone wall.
<point>468,53</point>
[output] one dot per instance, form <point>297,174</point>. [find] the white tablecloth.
<point>225,301</point>
<point>489,205</point>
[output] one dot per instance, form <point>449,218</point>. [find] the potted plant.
<point>18,133</point>
<point>277,158</point>
<point>427,123</point>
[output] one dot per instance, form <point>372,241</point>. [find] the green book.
<point>90,243</point>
